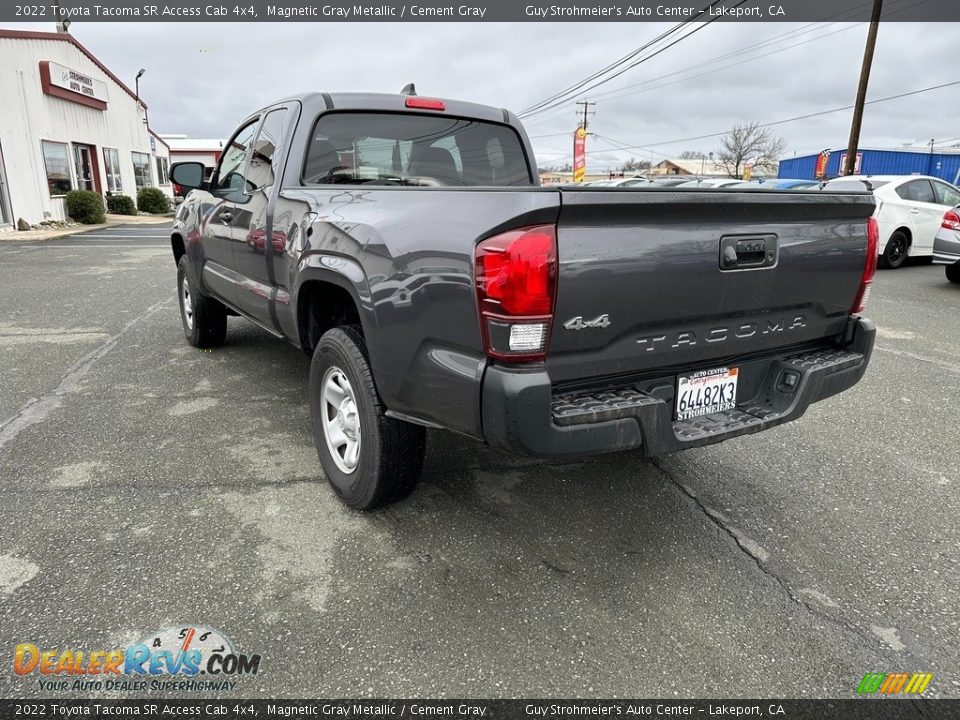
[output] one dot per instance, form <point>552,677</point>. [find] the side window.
<point>917,191</point>
<point>233,164</point>
<point>262,171</point>
<point>946,194</point>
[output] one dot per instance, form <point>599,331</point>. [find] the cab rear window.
<point>413,150</point>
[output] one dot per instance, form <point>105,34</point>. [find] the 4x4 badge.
<point>578,323</point>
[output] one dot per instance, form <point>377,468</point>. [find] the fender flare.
<point>345,273</point>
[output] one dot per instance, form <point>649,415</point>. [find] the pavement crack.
<point>555,568</point>
<point>942,364</point>
<point>37,409</point>
<point>750,549</point>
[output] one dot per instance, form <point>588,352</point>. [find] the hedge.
<point>85,206</point>
<point>152,200</point>
<point>121,205</point>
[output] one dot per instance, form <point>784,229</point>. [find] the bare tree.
<point>634,165</point>
<point>692,155</point>
<point>556,167</point>
<point>750,142</point>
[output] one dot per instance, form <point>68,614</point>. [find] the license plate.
<point>706,392</point>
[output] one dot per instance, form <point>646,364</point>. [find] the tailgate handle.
<point>742,253</point>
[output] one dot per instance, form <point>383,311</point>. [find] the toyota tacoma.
<point>406,245</point>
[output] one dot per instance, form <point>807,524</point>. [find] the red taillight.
<point>516,281</point>
<point>869,268</point>
<point>951,221</point>
<point>425,103</point>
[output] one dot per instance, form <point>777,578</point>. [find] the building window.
<point>163,171</point>
<point>57,162</point>
<point>111,163</point>
<point>141,169</point>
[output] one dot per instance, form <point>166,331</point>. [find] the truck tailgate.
<point>659,279</point>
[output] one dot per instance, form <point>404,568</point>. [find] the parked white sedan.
<point>910,209</point>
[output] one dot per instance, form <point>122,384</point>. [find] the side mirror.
<point>188,175</point>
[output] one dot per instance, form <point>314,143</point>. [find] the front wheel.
<point>204,319</point>
<point>368,458</point>
<point>895,253</point>
<point>953,272</point>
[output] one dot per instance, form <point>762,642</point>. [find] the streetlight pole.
<point>136,84</point>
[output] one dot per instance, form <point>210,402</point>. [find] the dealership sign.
<point>68,84</point>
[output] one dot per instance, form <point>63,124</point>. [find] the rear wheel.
<point>204,319</point>
<point>953,272</point>
<point>895,253</point>
<point>368,458</point>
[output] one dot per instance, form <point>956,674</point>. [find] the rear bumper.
<point>522,413</point>
<point>946,248</point>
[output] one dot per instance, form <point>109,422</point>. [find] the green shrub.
<point>152,200</point>
<point>121,205</point>
<point>85,206</point>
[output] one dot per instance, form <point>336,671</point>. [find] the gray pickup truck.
<point>405,244</point>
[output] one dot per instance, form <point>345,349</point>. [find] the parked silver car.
<point>946,245</point>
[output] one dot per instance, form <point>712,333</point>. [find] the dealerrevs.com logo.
<point>169,659</point>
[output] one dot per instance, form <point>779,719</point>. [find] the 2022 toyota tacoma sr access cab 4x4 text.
<point>405,244</point>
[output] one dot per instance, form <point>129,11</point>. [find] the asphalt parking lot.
<point>146,484</point>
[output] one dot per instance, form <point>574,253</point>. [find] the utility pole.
<point>857,122</point>
<point>586,111</point>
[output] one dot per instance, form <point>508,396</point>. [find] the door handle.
<point>739,253</point>
<point>914,212</point>
<point>226,218</point>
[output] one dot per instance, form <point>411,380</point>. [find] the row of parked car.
<point>918,216</point>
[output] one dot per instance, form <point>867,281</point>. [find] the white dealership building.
<point>68,123</point>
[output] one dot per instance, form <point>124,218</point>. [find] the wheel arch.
<point>178,246</point>
<point>903,229</point>
<point>325,299</point>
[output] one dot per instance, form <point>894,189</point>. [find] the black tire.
<point>953,272</point>
<point>895,253</point>
<point>204,319</point>
<point>388,455</point>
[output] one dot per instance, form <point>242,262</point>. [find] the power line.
<point>774,40</point>
<point>612,93</point>
<point>599,73</point>
<point>618,67</point>
<point>714,70</point>
<point>800,117</point>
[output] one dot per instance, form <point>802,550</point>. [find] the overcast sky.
<point>201,79</point>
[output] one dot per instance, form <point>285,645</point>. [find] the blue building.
<point>943,163</point>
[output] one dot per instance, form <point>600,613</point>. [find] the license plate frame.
<point>705,392</point>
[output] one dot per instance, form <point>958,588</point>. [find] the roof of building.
<point>689,167</point>
<point>67,37</point>
<point>914,149</point>
<point>182,143</point>
<point>159,137</point>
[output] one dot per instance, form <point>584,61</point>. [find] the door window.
<point>163,171</point>
<point>231,179</point>
<point>262,170</point>
<point>83,164</point>
<point>946,194</point>
<point>917,191</point>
